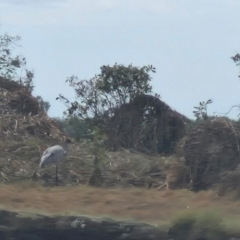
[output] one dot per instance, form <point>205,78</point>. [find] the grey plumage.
<point>52,155</point>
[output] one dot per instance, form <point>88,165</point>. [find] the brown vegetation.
<point>146,124</point>
<point>207,157</point>
<point>157,207</point>
<point>208,150</point>
<point>25,135</point>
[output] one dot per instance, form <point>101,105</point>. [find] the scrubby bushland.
<point>100,96</point>
<point>11,67</point>
<point>207,225</point>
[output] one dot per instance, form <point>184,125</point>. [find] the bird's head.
<point>42,165</point>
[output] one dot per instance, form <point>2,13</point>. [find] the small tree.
<point>201,110</point>
<point>44,105</point>
<point>9,65</point>
<point>100,96</point>
<point>236,59</point>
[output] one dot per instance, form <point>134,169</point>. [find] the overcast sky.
<point>189,42</point>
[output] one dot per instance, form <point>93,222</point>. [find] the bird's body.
<point>52,155</point>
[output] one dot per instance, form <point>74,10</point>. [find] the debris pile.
<point>21,116</point>
<point>209,149</point>
<point>146,124</point>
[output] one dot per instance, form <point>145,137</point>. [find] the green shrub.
<point>192,225</point>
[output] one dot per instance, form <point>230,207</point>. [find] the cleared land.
<point>120,178</point>
<point>150,206</point>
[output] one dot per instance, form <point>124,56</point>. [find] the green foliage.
<point>124,83</point>
<point>8,64</point>
<point>201,110</point>
<point>101,95</point>
<point>44,105</point>
<point>78,129</point>
<point>193,225</point>
<point>74,127</point>
<point>236,59</point>
<point>98,149</point>
<point>11,67</point>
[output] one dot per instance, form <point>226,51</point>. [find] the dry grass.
<point>151,206</point>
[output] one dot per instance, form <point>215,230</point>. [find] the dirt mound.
<point>146,124</point>
<point>209,149</point>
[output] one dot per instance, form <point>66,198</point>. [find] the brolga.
<point>53,155</point>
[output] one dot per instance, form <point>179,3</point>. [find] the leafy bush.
<point>10,65</point>
<point>74,127</point>
<point>99,97</point>
<point>44,105</point>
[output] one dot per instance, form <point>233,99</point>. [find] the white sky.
<point>189,42</point>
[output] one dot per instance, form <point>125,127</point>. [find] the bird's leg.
<point>57,174</point>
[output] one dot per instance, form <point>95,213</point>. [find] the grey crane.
<point>53,155</point>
